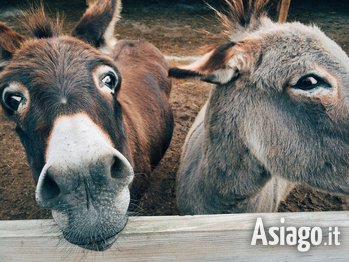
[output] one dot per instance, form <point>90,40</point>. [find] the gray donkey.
<point>278,115</point>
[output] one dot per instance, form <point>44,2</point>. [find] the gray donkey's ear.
<point>10,41</point>
<point>96,27</point>
<point>219,66</point>
<point>218,77</point>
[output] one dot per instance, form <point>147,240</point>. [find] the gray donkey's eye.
<point>309,82</point>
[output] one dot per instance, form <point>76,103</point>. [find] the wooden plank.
<point>283,10</point>
<point>176,238</point>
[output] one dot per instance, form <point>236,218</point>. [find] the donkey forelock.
<point>40,24</point>
<point>241,16</point>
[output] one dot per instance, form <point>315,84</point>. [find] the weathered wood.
<point>175,238</point>
<point>283,10</point>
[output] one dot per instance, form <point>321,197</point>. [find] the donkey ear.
<point>96,27</point>
<point>218,77</point>
<point>10,41</point>
<point>219,66</point>
<point>214,67</point>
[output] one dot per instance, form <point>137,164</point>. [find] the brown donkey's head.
<point>282,93</point>
<point>62,93</point>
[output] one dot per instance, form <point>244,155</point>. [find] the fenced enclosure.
<point>168,238</point>
<point>178,238</point>
<point>178,29</point>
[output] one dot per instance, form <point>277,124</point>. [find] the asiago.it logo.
<point>302,237</point>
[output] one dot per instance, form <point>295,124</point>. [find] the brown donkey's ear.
<point>219,66</point>
<point>10,41</point>
<point>96,27</point>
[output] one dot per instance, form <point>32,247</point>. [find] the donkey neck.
<point>235,177</point>
<point>223,146</point>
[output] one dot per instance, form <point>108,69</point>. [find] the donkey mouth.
<point>97,245</point>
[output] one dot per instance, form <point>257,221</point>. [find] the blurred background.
<point>178,28</point>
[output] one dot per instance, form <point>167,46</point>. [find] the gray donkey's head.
<point>283,90</point>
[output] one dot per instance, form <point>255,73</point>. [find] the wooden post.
<point>180,238</point>
<point>89,2</point>
<point>283,10</point>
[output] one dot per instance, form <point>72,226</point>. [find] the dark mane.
<point>40,24</point>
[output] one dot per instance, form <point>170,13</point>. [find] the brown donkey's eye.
<point>310,82</point>
<point>14,100</point>
<point>111,81</point>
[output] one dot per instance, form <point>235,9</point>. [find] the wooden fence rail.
<point>177,238</point>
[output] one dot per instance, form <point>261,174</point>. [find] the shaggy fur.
<point>40,25</point>
<point>60,78</point>
<point>263,129</point>
<point>10,41</point>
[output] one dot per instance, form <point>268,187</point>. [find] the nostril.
<point>50,188</point>
<point>117,167</point>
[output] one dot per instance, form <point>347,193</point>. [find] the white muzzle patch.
<point>75,141</point>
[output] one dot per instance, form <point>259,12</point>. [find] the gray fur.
<point>257,136</point>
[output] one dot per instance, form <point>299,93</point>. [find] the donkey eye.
<point>110,80</point>
<point>14,100</point>
<point>107,79</point>
<point>310,82</point>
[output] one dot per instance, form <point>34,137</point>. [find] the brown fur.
<point>42,26</point>
<point>96,24</point>
<point>62,81</point>
<point>140,119</point>
<point>10,41</point>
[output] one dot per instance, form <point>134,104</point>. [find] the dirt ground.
<point>176,28</point>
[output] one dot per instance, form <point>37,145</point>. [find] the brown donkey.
<point>90,112</point>
<point>278,115</point>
